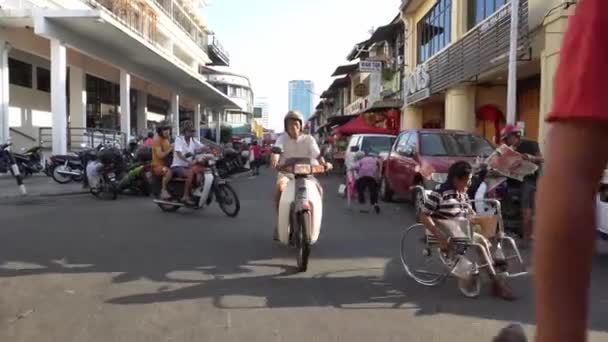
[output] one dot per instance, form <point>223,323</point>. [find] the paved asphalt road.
<point>80,269</point>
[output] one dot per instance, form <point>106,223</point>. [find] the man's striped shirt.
<point>447,203</point>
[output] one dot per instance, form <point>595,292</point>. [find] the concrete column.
<point>411,118</point>
<point>459,19</point>
<point>197,120</point>
<point>460,108</point>
<point>175,113</point>
<point>78,101</point>
<point>125,103</point>
<point>142,112</point>
<point>58,96</point>
<point>555,28</point>
<point>218,126</point>
<point>4,91</point>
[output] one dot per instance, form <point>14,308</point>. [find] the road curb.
<point>19,198</point>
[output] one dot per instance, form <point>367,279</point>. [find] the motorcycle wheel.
<point>228,200</point>
<point>168,208</point>
<point>59,178</point>
<point>302,242</point>
<point>105,190</point>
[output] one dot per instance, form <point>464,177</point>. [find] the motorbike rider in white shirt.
<point>185,167</point>
<point>294,144</point>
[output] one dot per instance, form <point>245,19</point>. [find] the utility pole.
<point>512,81</point>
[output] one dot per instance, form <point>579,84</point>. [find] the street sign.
<point>370,66</point>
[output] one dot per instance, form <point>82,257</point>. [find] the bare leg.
<point>188,187</point>
<point>527,223</point>
<point>166,179</point>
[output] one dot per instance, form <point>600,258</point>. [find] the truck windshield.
<point>461,145</point>
<point>377,144</point>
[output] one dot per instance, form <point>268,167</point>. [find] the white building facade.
<point>238,89</point>
<point>72,67</point>
<point>264,104</point>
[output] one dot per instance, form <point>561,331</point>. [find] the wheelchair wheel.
<point>420,260</point>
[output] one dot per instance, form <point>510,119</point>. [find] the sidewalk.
<point>38,185</point>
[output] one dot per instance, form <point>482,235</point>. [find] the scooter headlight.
<point>302,169</point>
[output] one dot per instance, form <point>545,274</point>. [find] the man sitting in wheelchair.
<point>447,215</point>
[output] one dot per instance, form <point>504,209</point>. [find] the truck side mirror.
<point>354,149</point>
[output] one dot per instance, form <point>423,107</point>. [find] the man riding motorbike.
<point>511,135</point>
<point>294,144</point>
<point>183,166</point>
<point>161,149</point>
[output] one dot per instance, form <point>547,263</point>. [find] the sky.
<point>275,41</point>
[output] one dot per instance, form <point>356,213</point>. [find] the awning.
<point>99,34</point>
<point>357,49</point>
<point>320,105</point>
<point>345,69</point>
<point>328,93</point>
<point>385,104</point>
<point>386,32</point>
<point>336,121</point>
<point>359,126</point>
<point>340,83</point>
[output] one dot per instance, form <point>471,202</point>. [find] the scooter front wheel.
<point>303,244</point>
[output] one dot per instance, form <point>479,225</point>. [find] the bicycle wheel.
<point>420,260</point>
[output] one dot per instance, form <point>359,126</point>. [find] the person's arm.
<point>315,151</point>
<point>566,228</point>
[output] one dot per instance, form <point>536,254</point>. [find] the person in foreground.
<point>294,144</point>
<point>183,165</point>
<point>575,157</point>
<point>449,204</point>
<point>161,150</point>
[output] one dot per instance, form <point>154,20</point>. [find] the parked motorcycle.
<point>66,168</point>
<point>30,161</point>
<point>135,180</point>
<point>211,187</point>
<point>9,164</point>
<point>103,173</point>
<point>300,207</point>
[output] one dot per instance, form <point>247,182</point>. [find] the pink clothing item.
<point>367,167</point>
<point>148,142</point>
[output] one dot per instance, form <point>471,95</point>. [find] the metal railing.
<point>79,137</point>
<point>182,19</point>
<point>143,19</point>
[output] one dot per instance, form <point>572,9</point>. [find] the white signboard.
<point>370,66</point>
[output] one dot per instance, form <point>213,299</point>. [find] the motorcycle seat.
<point>67,157</point>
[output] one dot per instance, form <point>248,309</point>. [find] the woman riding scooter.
<point>294,144</point>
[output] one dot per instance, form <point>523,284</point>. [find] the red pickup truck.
<point>423,156</point>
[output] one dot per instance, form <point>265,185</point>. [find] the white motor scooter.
<point>300,207</point>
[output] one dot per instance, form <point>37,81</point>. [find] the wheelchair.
<point>424,261</point>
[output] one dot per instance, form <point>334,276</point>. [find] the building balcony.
<point>217,53</point>
<point>143,18</point>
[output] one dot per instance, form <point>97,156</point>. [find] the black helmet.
<point>293,115</point>
<point>162,126</point>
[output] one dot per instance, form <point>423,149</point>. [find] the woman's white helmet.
<point>293,115</point>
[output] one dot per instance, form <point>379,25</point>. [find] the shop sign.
<point>370,66</point>
<point>416,85</point>
<point>361,90</point>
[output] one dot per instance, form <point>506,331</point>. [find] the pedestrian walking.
<point>366,167</point>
